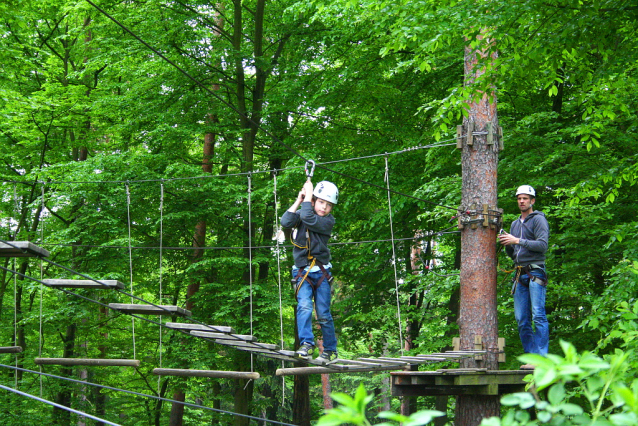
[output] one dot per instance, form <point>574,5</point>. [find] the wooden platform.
<point>10,349</point>
<point>150,309</point>
<point>205,373</point>
<point>22,249</point>
<point>98,362</point>
<point>102,284</point>
<point>457,382</point>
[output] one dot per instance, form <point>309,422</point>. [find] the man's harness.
<point>526,270</point>
<point>324,273</point>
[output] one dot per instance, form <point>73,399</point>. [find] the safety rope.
<point>15,280</point>
<point>130,259</point>
<point>161,243</point>
<point>281,309</point>
<point>250,261</point>
<point>394,258</point>
<point>41,288</point>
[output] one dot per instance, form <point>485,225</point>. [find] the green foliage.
<point>575,389</point>
<point>352,410</point>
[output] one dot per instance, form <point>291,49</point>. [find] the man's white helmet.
<point>327,191</point>
<point>526,189</point>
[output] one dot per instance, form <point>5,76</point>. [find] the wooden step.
<point>149,309</point>
<point>98,362</point>
<point>223,336</point>
<point>22,249</point>
<point>102,284</point>
<point>206,373</point>
<point>200,327</point>
<point>242,344</point>
<point>10,349</point>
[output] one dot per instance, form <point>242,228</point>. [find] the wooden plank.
<point>102,284</point>
<point>395,361</point>
<point>22,249</point>
<point>241,343</point>
<point>277,352</point>
<point>222,336</point>
<point>205,373</point>
<point>149,309</point>
<point>356,362</point>
<point>200,327</point>
<point>90,362</point>
<point>10,349</point>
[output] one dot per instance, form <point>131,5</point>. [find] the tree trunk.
<point>478,313</point>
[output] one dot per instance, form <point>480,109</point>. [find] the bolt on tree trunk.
<point>478,314</point>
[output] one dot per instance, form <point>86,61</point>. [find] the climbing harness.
<point>526,270</point>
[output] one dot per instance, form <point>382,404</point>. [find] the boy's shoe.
<point>305,351</point>
<point>326,357</point>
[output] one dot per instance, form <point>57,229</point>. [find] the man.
<point>527,244</point>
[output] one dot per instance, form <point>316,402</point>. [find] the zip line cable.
<point>245,117</point>
<point>158,398</point>
<point>63,407</point>
<point>254,172</point>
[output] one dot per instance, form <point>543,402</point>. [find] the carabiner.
<point>310,172</point>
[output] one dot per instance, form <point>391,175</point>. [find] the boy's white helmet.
<point>327,191</point>
<point>526,189</point>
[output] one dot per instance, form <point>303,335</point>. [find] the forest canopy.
<point>162,151</point>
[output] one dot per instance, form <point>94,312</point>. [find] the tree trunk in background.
<point>478,313</point>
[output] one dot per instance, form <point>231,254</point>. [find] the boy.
<point>311,272</point>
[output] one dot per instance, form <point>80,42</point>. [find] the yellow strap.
<point>308,268</point>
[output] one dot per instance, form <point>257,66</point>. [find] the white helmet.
<point>327,191</point>
<point>526,189</point>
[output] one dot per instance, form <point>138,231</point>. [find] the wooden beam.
<point>149,309</point>
<point>105,284</point>
<point>99,362</point>
<point>305,371</point>
<point>21,249</point>
<point>205,373</point>
<point>10,349</point>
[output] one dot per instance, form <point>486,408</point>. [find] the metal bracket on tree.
<point>494,135</point>
<point>487,216</point>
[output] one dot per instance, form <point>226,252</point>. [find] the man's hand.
<point>508,239</point>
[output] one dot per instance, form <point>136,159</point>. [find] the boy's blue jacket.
<point>534,237</point>
<point>319,228</point>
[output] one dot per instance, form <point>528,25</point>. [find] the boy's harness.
<point>324,274</point>
<point>526,270</point>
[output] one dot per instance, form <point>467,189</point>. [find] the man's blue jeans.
<point>322,298</point>
<point>529,307</point>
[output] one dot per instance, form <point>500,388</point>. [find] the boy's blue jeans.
<point>529,307</point>
<point>322,298</point>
